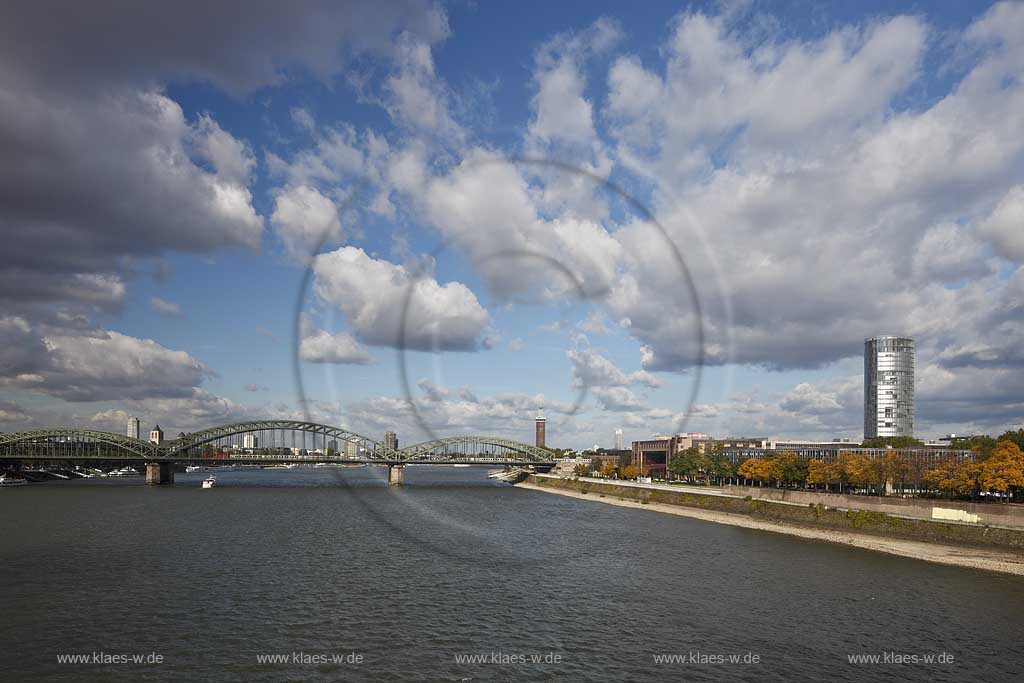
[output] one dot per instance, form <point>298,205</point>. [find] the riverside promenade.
<point>685,501</point>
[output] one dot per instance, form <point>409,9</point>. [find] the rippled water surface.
<point>330,562</point>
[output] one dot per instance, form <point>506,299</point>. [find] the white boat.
<point>11,481</point>
<point>511,476</point>
<point>209,482</point>
<point>461,464</point>
<point>124,472</point>
<point>195,468</point>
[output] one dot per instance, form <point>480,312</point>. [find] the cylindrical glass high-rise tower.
<point>888,386</point>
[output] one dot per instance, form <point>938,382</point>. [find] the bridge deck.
<point>272,460</point>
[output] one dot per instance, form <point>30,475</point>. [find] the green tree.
<point>718,466</point>
<point>791,468</point>
<point>1014,435</point>
<point>981,445</point>
<point>687,464</point>
<point>890,467</point>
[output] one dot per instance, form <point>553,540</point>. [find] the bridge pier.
<point>159,473</point>
<point>396,475</point>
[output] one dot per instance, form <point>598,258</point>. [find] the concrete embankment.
<point>964,545</point>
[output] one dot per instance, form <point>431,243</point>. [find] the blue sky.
<point>825,171</point>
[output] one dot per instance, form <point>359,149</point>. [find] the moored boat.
<point>124,472</point>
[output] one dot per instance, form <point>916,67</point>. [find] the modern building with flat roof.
<point>540,429</point>
<point>133,427</point>
<point>888,386</point>
<point>828,453</point>
<point>651,456</point>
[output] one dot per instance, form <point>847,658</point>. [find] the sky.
<point>437,218</point>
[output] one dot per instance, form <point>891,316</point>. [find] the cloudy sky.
<point>437,217</point>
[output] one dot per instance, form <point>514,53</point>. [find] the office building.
<point>653,455</point>
<point>921,457</point>
<point>391,441</point>
<point>133,427</point>
<point>888,386</point>
<point>250,441</point>
<point>618,439</point>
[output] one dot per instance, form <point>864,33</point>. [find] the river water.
<point>352,580</point>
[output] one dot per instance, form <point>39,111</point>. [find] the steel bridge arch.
<point>129,444</point>
<point>181,445</point>
<point>528,454</point>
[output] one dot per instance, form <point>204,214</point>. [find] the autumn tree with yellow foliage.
<point>955,477</point>
<point>1003,471</point>
<point>757,469</point>
<point>820,472</point>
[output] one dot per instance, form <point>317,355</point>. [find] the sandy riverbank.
<point>975,558</point>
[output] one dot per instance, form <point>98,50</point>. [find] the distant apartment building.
<point>652,456</point>
<point>540,428</point>
<point>133,427</point>
<point>618,439</point>
<point>351,449</point>
<point>391,441</point>
<point>156,436</point>
<point>250,441</point>
<point>888,386</point>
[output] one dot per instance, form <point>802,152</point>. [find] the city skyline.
<point>156,253</point>
<point>339,338</point>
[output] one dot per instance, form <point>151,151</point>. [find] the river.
<point>414,583</point>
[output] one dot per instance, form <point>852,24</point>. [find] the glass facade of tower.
<point>888,386</point>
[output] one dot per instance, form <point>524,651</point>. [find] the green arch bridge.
<point>269,442</point>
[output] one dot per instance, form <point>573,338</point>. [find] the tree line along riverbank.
<point>985,468</point>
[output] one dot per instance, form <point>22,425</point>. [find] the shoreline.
<point>958,556</point>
